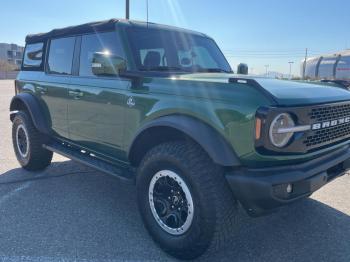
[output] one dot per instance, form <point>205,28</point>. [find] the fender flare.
<point>207,137</point>
<point>33,107</point>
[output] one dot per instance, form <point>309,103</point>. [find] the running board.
<point>90,160</point>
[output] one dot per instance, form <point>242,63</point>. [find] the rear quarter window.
<point>33,56</point>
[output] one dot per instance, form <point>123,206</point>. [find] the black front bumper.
<point>261,190</point>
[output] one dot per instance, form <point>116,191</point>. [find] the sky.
<point>255,32</point>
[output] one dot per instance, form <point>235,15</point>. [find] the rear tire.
<point>213,213</point>
<point>28,144</point>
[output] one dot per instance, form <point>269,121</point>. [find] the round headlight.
<point>279,135</point>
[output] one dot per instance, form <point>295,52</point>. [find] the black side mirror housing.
<point>242,69</point>
<point>105,64</point>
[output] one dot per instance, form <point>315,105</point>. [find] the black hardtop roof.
<point>99,27</point>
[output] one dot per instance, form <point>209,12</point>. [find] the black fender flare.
<point>32,105</point>
<point>206,136</point>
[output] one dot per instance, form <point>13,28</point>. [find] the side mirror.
<point>242,69</point>
<point>105,64</point>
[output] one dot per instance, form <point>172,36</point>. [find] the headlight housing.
<point>279,133</point>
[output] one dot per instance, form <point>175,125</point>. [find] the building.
<point>11,53</point>
<point>327,67</point>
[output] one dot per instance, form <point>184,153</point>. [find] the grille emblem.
<point>331,123</point>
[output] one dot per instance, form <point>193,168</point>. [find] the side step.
<point>87,159</point>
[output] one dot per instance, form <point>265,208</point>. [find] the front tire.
<point>28,144</point>
<point>184,200</point>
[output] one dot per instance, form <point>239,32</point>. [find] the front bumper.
<point>262,190</point>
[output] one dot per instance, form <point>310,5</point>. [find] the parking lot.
<point>72,213</point>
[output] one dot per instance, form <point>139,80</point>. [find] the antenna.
<point>147,11</point>
<point>127,9</point>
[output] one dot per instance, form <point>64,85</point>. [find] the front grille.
<point>330,112</point>
<point>328,135</point>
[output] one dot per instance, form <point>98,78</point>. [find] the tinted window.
<point>343,68</point>
<point>165,50</point>
<point>202,58</point>
<point>103,42</point>
<point>33,56</point>
<point>144,53</point>
<point>61,56</point>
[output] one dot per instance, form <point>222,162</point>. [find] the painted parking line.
<point>12,193</point>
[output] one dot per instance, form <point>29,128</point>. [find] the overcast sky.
<point>256,32</point>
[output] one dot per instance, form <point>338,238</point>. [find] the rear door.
<point>96,104</point>
<point>55,81</point>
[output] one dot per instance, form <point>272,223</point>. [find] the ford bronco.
<point>160,107</point>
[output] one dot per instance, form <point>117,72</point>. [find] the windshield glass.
<point>164,50</point>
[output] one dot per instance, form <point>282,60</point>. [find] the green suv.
<point>160,107</point>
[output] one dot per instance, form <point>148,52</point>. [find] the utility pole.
<point>290,69</point>
<point>304,66</point>
<point>127,9</point>
<point>267,67</point>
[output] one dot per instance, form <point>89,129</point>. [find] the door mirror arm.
<point>135,77</point>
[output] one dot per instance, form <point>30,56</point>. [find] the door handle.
<point>41,90</point>
<point>76,93</point>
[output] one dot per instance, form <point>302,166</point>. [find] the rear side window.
<point>101,42</point>
<point>33,55</point>
<point>61,56</point>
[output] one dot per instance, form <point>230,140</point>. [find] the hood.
<point>283,92</point>
<point>303,93</point>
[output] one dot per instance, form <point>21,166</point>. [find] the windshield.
<point>164,50</point>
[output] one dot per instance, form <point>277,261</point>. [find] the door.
<point>54,83</point>
<point>96,104</point>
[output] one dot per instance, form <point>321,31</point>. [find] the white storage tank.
<point>328,67</point>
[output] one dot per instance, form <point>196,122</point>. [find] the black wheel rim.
<point>171,202</point>
<point>22,140</point>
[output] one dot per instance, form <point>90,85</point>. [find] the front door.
<point>96,104</point>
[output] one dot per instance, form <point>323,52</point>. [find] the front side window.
<point>165,50</point>
<point>61,56</point>
<point>33,55</point>
<point>98,43</point>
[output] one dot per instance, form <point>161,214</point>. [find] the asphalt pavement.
<point>69,212</point>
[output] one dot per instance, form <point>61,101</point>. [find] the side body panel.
<point>54,94</point>
<point>51,93</point>
<point>228,108</point>
<point>96,117</point>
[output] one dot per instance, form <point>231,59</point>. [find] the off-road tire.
<point>37,158</point>
<point>214,206</point>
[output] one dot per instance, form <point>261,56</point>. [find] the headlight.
<point>279,130</point>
